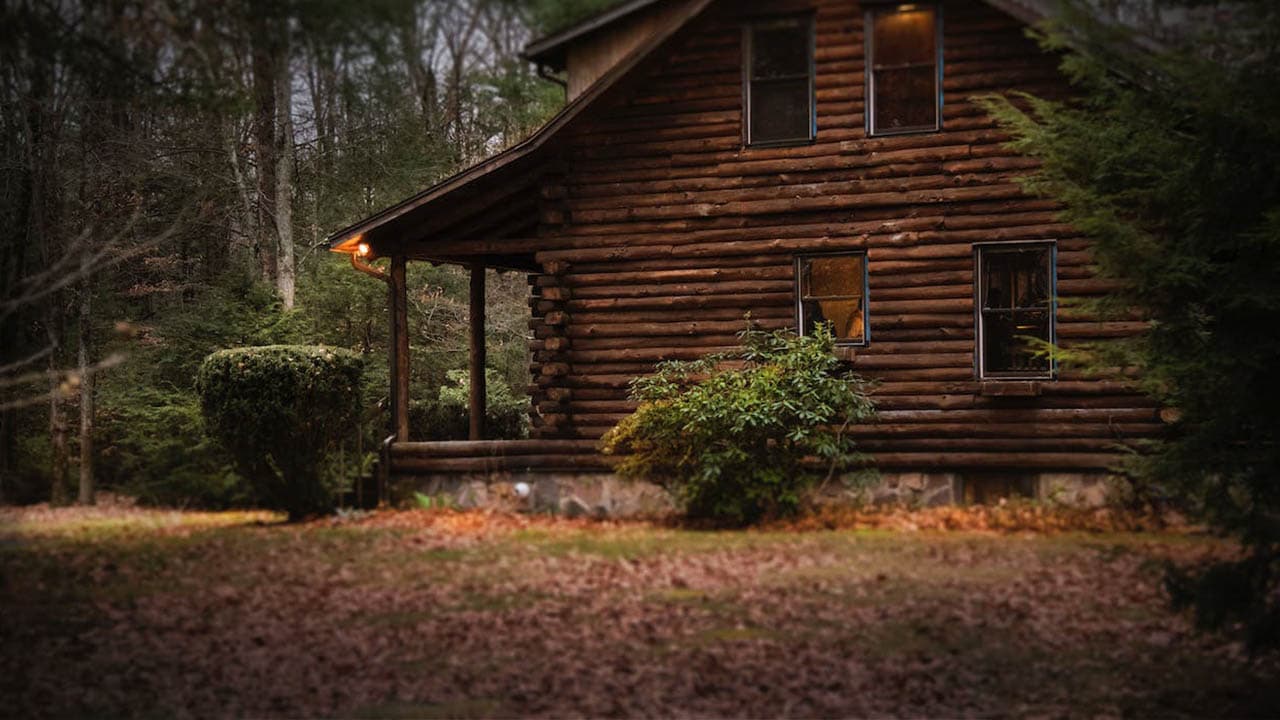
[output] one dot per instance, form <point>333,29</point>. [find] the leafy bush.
<point>152,445</point>
<point>732,436</point>
<point>449,416</point>
<point>282,411</point>
<point>27,479</point>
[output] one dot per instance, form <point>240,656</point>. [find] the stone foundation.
<point>601,494</point>
<point>933,489</point>
<point>565,493</point>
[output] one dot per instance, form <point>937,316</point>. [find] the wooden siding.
<point>660,230</point>
<point>591,57</point>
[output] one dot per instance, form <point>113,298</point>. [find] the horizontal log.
<point>866,361</point>
<point>678,264</point>
<point>1084,330</point>
<point>741,303</point>
<point>931,245</point>
<point>413,464</point>
<point>1015,445</point>
<point>488,448</point>
<point>1005,415</point>
<point>783,270</point>
<point>1000,460</point>
<point>670,314</point>
<point>631,330</point>
<point>641,354</point>
<point>963,401</point>
<point>789,205</point>
<point>586,430</point>
<point>740,189</point>
<point>638,288</point>
<point>881,333</point>
<point>676,229</point>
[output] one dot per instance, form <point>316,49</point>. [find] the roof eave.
<point>347,239</point>
<point>552,49</point>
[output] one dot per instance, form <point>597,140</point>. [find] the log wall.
<point>661,230</point>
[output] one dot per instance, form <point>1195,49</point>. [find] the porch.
<point>564,477</point>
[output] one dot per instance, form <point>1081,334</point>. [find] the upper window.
<point>1016,302</point>
<point>904,69</point>
<point>832,289</point>
<point>779,81</point>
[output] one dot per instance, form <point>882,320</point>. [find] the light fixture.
<point>363,250</point>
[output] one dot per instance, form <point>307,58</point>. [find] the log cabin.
<point>804,161</point>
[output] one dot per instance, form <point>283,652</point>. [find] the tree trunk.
<point>264,42</point>
<point>284,175</point>
<point>59,492</point>
<point>87,489</point>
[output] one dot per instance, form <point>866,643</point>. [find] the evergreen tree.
<point>1170,160</point>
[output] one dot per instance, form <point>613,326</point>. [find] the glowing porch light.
<point>363,249</point>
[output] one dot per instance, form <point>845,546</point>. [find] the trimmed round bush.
<point>281,410</point>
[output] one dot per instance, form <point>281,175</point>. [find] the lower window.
<point>1016,304</point>
<point>832,289</point>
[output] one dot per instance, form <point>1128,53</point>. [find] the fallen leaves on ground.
<point>1014,516</point>
<point>451,614</point>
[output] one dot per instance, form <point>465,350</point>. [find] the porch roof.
<point>496,197</point>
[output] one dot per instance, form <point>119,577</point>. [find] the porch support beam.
<point>477,398</point>
<point>399,305</point>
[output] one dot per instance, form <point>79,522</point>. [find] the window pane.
<point>845,317</point>
<point>780,110</point>
<point>834,275</point>
<point>1004,345</point>
<point>832,289</point>
<point>1017,304</point>
<point>1016,278</point>
<point>906,98</point>
<point>780,49</point>
<point>903,37</point>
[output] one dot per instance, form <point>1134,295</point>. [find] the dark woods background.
<point>169,172</point>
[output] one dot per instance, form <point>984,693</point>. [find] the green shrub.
<point>735,437</point>
<point>282,411</point>
<point>27,479</point>
<point>449,416</point>
<point>152,445</point>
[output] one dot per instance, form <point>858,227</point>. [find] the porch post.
<point>477,398</point>
<point>399,303</point>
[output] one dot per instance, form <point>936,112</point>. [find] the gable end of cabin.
<point>825,162</point>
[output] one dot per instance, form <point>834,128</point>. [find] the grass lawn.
<point>118,612</point>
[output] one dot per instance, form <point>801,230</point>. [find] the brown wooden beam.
<point>399,305</point>
<point>477,398</point>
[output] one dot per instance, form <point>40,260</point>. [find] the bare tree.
<point>86,376</point>
<point>284,172</point>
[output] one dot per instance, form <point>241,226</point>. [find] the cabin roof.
<point>511,163</point>
<point>411,217</point>
<point>552,49</point>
